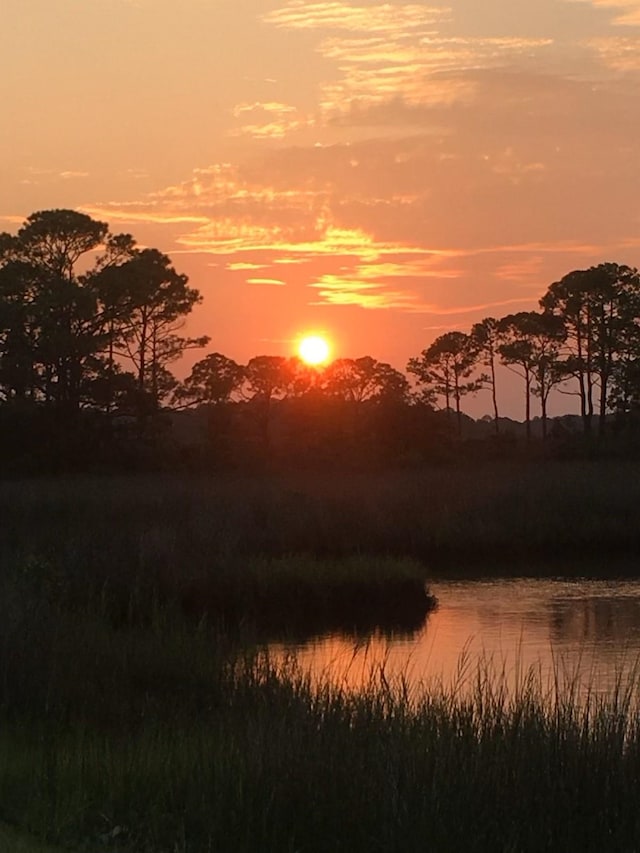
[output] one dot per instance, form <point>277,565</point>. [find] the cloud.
<point>336,15</point>
<point>270,120</point>
<point>272,281</point>
<point>374,285</point>
<point>388,52</point>
<point>38,175</point>
<point>620,54</point>
<point>480,307</point>
<point>626,12</point>
<point>138,212</point>
<point>367,286</point>
<point>243,266</point>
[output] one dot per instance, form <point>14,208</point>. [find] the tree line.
<point>91,323</point>
<point>584,340</point>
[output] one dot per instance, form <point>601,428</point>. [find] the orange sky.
<point>383,172</point>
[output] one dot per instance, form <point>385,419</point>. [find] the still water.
<point>585,631</point>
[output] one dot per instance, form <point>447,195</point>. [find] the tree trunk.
<point>602,415</point>
<point>494,397</point>
<point>447,399</point>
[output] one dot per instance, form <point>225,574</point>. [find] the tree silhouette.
<point>52,317</point>
<point>531,344</point>
<point>597,307</point>
<point>486,336</point>
<point>148,301</point>
<point>212,380</point>
<point>361,379</point>
<point>446,367</point>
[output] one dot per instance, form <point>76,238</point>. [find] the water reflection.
<point>584,628</point>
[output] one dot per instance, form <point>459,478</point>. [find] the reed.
<point>164,738</point>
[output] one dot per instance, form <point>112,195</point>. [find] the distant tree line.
<point>585,339</point>
<point>90,324</point>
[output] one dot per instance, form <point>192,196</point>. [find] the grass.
<point>166,737</point>
<point>498,514</point>
<point>282,766</point>
<point>12,841</point>
<point>133,720</point>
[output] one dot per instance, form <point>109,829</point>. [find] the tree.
<point>594,305</point>
<point>486,336</point>
<point>77,301</point>
<point>212,380</point>
<point>531,345</point>
<point>51,320</point>
<point>445,368</point>
<point>362,379</point>
<point>269,378</point>
<point>18,332</point>
<point>146,302</point>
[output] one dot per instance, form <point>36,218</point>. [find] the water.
<point>564,629</point>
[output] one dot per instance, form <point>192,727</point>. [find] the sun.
<point>314,349</point>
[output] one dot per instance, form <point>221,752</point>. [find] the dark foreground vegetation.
<point>172,534</point>
<point>166,737</point>
<point>138,712</point>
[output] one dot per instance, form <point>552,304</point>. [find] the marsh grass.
<point>12,841</point>
<point>164,737</point>
<point>129,723</point>
<point>290,768</point>
<point>189,527</point>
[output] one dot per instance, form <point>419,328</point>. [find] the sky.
<point>380,172</point>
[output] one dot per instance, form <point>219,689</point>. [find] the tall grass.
<point>12,841</point>
<point>127,724</point>
<point>498,513</point>
<point>282,766</point>
<point>163,737</point>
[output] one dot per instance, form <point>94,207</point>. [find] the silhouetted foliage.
<point>531,345</point>
<point>362,379</point>
<point>486,337</point>
<point>446,367</point>
<point>91,325</point>
<point>599,309</point>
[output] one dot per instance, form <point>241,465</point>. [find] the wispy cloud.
<point>625,12</point>
<point>336,15</point>
<point>137,212</point>
<point>243,266</point>
<point>270,281</point>
<point>271,120</point>
<point>389,52</point>
<point>478,307</point>
<point>618,53</point>
<point>37,175</point>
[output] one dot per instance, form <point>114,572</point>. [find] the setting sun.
<point>314,349</point>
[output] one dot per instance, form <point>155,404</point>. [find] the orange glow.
<point>314,349</point>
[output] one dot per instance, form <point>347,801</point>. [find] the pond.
<point>581,632</point>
